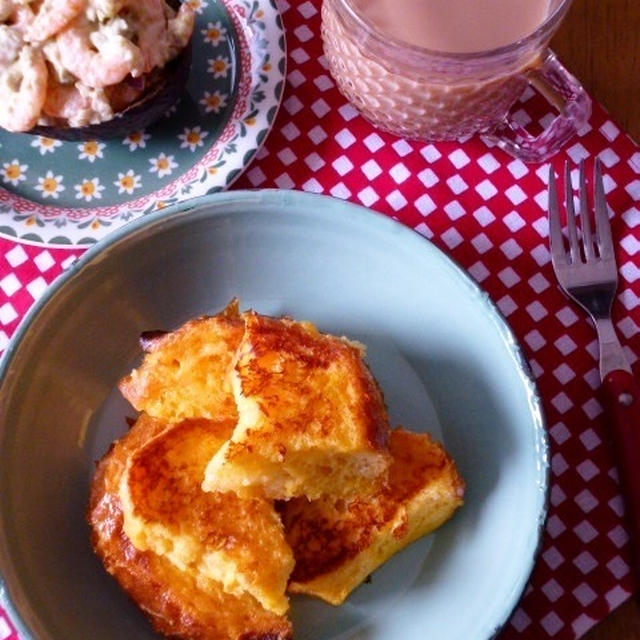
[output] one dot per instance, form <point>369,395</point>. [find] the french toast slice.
<point>218,536</point>
<point>176,602</point>
<point>337,543</point>
<point>311,417</point>
<point>185,373</point>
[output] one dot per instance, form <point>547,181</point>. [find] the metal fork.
<point>588,274</point>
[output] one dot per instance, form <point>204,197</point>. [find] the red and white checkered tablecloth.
<point>487,211</point>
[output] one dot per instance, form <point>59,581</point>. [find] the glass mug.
<point>422,94</point>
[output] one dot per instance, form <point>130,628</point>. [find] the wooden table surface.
<point>600,44</point>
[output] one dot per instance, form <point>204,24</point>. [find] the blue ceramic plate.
<point>445,358</point>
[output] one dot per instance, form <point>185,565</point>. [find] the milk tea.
<point>444,90</point>
<point>455,26</point>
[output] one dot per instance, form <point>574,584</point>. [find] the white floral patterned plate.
<point>54,192</point>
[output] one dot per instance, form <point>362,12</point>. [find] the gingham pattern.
<point>487,211</point>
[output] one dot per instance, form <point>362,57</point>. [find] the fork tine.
<point>558,255</point>
<point>603,227</point>
<point>587,238</point>
<point>571,215</point>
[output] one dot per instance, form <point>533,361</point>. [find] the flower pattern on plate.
<point>214,33</point>
<point>89,189</point>
<point>136,140</point>
<point>213,102</point>
<point>192,138</point>
<point>163,165</point>
<point>128,182</point>
<point>50,185</point>
<point>14,173</point>
<point>45,145</point>
<point>91,150</point>
<point>219,67</point>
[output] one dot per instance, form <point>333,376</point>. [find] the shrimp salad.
<point>79,62</point>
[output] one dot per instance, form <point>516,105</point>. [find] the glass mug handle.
<point>565,93</point>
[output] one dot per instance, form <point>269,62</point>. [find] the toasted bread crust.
<point>312,419</point>
<point>281,361</point>
<point>185,373</point>
<point>337,543</point>
<point>176,604</point>
<point>220,536</point>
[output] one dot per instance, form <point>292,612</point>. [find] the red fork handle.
<point>623,402</point>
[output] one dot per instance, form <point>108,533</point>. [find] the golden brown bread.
<point>260,408</point>
<point>220,536</point>
<point>185,373</point>
<point>177,603</point>
<point>337,543</point>
<point>311,418</point>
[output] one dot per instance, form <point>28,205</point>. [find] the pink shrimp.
<point>104,9</point>
<point>23,87</point>
<point>64,101</point>
<point>6,9</point>
<point>150,26</point>
<point>181,26</point>
<point>52,17</point>
<point>14,20</point>
<point>97,59</point>
<point>21,17</point>
<point>10,45</point>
